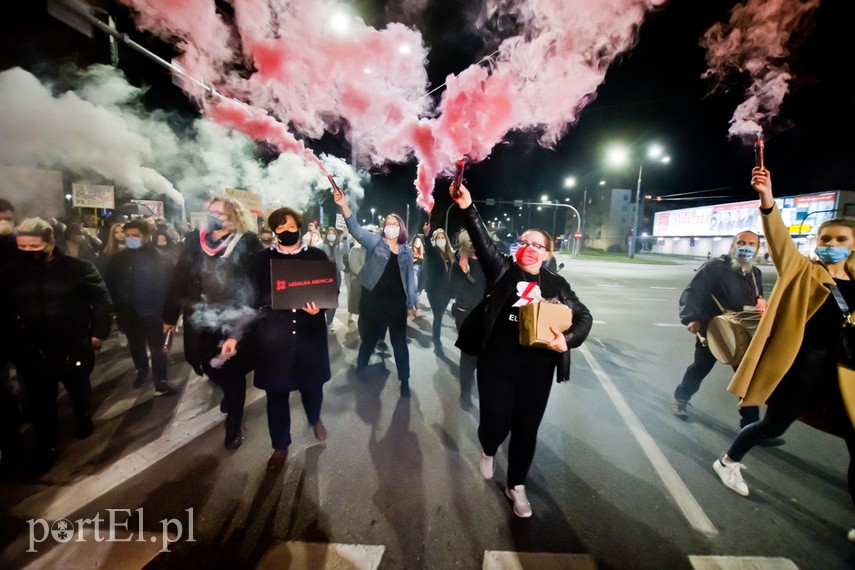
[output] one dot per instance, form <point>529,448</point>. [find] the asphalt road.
<point>617,481</point>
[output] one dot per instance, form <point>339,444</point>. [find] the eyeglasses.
<point>216,214</point>
<point>536,246</point>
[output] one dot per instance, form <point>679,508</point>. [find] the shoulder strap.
<point>841,302</point>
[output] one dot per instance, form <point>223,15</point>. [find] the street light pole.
<point>634,236</point>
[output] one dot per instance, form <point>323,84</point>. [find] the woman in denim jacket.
<point>388,290</point>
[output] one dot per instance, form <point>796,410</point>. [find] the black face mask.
<point>214,223</point>
<point>34,257</point>
<point>288,238</point>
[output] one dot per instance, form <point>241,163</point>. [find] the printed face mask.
<point>133,242</point>
<point>745,252</point>
<point>527,256</point>
<point>391,232</point>
<point>832,254</point>
<point>288,238</point>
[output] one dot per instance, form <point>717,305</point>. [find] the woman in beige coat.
<point>791,364</point>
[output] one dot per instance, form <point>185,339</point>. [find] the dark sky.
<point>654,93</point>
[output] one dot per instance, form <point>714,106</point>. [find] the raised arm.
<point>493,261</point>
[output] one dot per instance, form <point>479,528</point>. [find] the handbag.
<point>846,346</point>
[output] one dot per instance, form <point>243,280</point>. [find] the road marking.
<point>611,285</point>
<point>121,549</point>
<point>322,556</point>
<point>678,325</point>
<point>596,322</point>
<point>186,425</point>
<point>665,288</point>
<point>644,299</point>
<point>741,563</point>
<point>672,481</point>
<point>505,560</point>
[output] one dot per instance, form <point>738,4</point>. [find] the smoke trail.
<point>757,41</point>
<point>307,67</point>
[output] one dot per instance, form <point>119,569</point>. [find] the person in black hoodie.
<point>439,257</point>
<point>514,381</point>
<point>137,278</point>
<point>61,312</point>
<point>210,284</point>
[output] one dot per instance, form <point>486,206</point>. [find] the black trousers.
<point>809,383</point>
<point>279,412</point>
<point>697,371</point>
<point>373,321</point>
<point>230,376</point>
<point>511,404</point>
<point>145,331</point>
<point>438,301</point>
<point>10,414</point>
<point>467,363</point>
<point>40,374</point>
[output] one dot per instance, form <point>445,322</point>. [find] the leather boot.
<point>234,431</point>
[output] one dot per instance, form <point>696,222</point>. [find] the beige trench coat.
<point>799,292</point>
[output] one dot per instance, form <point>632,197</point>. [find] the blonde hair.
<point>244,220</point>
<point>846,223</point>
<point>35,227</point>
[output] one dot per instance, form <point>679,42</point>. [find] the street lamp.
<point>373,219</point>
<point>619,156</point>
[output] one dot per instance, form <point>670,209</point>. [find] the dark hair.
<point>403,235</point>
<point>548,238</point>
<point>6,205</point>
<point>138,224</point>
<point>278,217</point>
<point>163,233</point>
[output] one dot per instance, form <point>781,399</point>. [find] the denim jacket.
<point>377,254</point>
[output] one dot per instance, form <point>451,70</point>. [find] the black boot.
<point>405,387</point>
<point>234,432</point>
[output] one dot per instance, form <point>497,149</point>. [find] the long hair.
<point>447,251</point>
<point>846,223</point>
<point>112,243</point>
<point>243,219</point>
<point>403,234</point>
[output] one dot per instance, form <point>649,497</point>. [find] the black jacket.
<point>501,272</point>
<point>467,289</point>
<point>57,304</point>
<point>731,287</point>
<point>206,285</point>
<point>137,280</point>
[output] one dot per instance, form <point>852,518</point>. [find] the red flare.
<point>759,150</point>
<point>458,177</point>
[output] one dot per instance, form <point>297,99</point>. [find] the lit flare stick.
<point>759,152</point>
<point>458,177</point>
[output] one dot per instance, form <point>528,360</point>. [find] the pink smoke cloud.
<point>756,41</point>
<point>304,66</point>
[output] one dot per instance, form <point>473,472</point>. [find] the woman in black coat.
<point>514,381</point>
<point>439,257</point>
<point>289,347</point>
<point>210,285</point>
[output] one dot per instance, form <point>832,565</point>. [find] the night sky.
<point>654,93</point>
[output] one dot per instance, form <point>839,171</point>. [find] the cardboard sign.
<point>295,282</point>
<point>93,196</point>
<point>340,224</point>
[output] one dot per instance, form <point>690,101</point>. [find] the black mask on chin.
<point>288,238</point>
<point>214,223</point>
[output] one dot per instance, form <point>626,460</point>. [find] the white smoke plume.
<point>101,127</point>
<point>757,42</point>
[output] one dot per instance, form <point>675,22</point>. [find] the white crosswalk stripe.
<point>506,560</point>
<point>741,563</point>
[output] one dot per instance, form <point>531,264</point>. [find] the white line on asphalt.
<point>675,486</point>
<point>741,563</point>
<point>322,556</point>
<point>666,288</point>
<point>612,285</point>
<point>678,325</point>
<point>185,426</point>
<point>596,322</point>
<point>644,299</point>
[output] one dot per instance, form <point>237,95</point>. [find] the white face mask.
<point>391,232</point>
<point>440,243</point>
<point>330,238</point>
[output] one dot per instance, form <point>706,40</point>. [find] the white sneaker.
<point>522,508</point>
<point>333,328</point>
<point>730,475</point>
<point>486,466</point>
